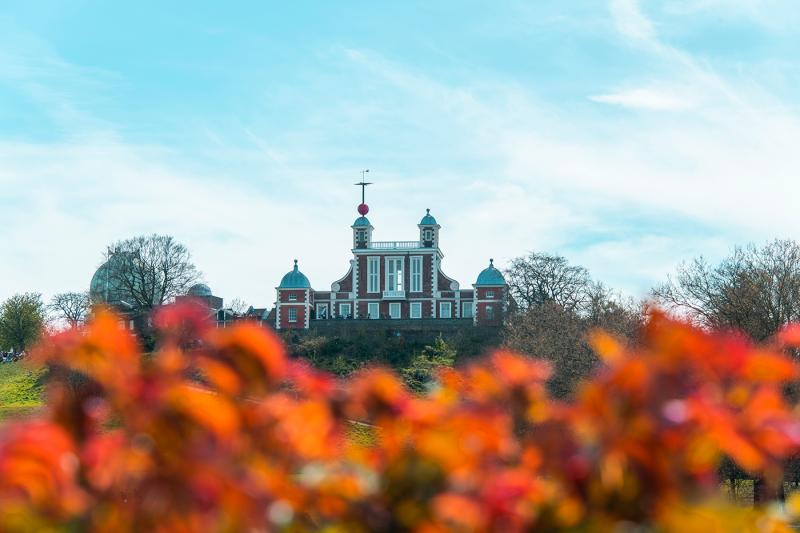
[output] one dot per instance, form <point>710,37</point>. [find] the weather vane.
<point>363,209</point>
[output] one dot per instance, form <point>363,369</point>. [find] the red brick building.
<point>392,280</point>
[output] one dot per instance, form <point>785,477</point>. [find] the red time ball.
<point>363,209</point>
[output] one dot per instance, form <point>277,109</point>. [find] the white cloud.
<point>503,171</point>
<point>713,172</point>
<point>781,15</point>
<point>645,99</point>
<point>630,20</point>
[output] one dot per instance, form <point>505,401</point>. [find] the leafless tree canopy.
<point>558,305</point>
<point>239,306</point>
<point>151,270</point>
<point>755,289</point>
<point>71,307</point>
<point>540,277</point>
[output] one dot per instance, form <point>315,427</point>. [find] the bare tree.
<point>238,306</point>
<point>71,307</point>
<point>148,271</point>
<point>541,277</point>
<point>559,305</point>
<point>754,289</point>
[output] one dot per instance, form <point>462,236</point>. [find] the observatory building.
<point>392,280</point>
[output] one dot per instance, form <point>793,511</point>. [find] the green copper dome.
<point>295,279</point>
<point>490,276</point>
<point>361,222</point>
<point>428,219</point>
<point>105,286</point>
<point>200,290</point>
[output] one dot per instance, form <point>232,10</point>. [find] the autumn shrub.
<point>220,431</point>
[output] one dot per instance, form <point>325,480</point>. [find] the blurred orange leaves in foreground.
<point>219,430</point>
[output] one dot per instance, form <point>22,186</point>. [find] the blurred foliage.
<point>263,442</point>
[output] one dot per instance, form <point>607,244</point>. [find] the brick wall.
<point>284,317</point>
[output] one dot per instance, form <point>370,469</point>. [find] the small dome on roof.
<point>361,222</point>
<point>295,279</point>
<point>200,289</point>
<point>428,219</point>
<point>490,276</point>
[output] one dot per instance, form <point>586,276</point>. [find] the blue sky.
<point>625,135</point>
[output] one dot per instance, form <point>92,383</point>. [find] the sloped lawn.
<point>20,390</point>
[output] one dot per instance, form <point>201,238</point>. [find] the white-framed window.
<point>373,274</point>
<point>374,310</point>
<point>131,325</point>
<point>489,312</point>
<point>445,310</point>
<point>490,294</point>
<point>394,274</point>
<point>394,310</point>
<point>345,310</point>
<point>416,309</point>
<point>466,309</point>
<point>416,274</point>
<point>292,297</point>
<point>322,311</point>
<point>292,314</point>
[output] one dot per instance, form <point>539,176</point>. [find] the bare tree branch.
<point>71,307</point>
<point>148,271</point>
<point>756,290</point>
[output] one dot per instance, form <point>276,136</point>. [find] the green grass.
<point>20,390</point>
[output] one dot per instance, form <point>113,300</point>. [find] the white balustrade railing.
<point>394,294</point>
<point>393,245</point>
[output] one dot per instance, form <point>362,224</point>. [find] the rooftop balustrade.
<point>393,245</point>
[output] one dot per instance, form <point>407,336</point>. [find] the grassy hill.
<point>20,390</point>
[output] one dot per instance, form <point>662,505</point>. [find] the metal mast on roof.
<point>363,184</point>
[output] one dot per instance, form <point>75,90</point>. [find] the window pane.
<point>373,271</point>
<point>444,310</point>
<point>416,310</point>
<point>416,274</point>
<point>394,310</point>
<point>373,310</point>
<point>391,276</point>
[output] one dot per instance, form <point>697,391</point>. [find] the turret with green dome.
<point>490,277</point>
<point>294,279</point>
<point>428,231</point>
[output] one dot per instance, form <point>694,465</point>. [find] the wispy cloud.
<point>506,166</point>
<point>780,15</point>
<point>630,20</point>
<point>645,99</point>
